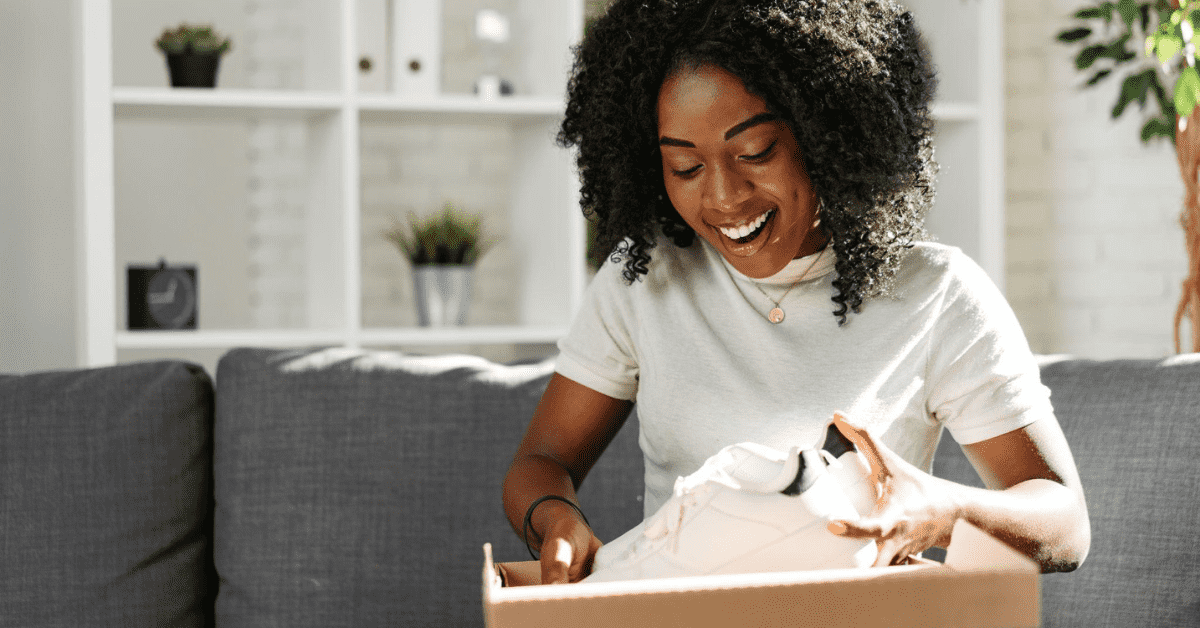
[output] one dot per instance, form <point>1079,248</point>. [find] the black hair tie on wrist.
<point>529,518</point>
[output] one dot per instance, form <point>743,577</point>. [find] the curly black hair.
<point>851,78</point>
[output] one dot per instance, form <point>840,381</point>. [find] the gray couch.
<point>336,488</point>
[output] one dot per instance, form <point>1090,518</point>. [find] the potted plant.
<point>442,249</point>
<point>193,54</point>
<point>1110,33</point>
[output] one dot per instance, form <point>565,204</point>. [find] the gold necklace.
<point>776,315</point>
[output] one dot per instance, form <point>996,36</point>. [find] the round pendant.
<point>776,315</point>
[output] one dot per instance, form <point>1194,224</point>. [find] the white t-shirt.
<point>690,342</point>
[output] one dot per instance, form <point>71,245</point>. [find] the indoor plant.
<point>1111,33</point>
<point>193,54</point>
<point>442,249</point>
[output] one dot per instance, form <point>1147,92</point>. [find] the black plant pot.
<point>189,69</point>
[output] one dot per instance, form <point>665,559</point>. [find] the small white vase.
<point>443,293</point>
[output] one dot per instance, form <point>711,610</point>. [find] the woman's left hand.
<point>913,510</point>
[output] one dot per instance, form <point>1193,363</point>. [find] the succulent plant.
<point>196,39</point>
<point>449,237</point>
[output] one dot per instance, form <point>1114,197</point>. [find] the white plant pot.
<point>443,293</point>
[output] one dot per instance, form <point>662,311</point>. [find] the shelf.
<point>173,103</point>
<point>422,336</point>
<point>515,334</point>
<point>451,108</point>
<point>955,111</point>
<point>227,338</point>
<point>161,102</point>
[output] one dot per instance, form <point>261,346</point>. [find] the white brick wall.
<point>403,167</point>
<point>1095,254</point>
<point>276,204</point>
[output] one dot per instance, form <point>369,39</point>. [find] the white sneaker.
<point>734,515</point>
<point>850,469</point>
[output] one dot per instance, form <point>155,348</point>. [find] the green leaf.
<point>1157,127</point>
<point>1117,50</point>
<point>1099,76</point>
<point>1129,12</point>
<point>1074,34</point>
<point>1167,47</point>
<point>1134,88</point>
<point>1166,105</point>
<point>1088,56</point>
<point>1164,9</point>
<point>1187,91</point>
<point>1104,11</point>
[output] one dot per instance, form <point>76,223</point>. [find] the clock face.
<point>171,298</point>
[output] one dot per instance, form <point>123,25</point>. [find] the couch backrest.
<point>1134,430</point>
<point>105,497</point>
<point>357,488</point>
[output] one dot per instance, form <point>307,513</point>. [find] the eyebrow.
<point>734,130</point>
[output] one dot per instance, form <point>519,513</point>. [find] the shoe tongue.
<point>760,468</point>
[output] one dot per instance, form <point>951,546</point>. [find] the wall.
<point>37,186</point>
<point>1095,253</point>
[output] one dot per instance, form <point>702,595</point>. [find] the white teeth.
<point>735,233</point>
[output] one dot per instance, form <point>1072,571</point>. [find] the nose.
<point>726,188</point>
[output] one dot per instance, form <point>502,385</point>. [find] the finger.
<point>589,557</point>
<point>865,443</point>
<point>556,561</point>
<point>860,528</point>
<point>889,553</point>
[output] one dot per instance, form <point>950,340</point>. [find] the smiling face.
<point>733,171</point>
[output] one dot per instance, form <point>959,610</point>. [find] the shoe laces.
<point>670,521</point>
<point>688,492</point>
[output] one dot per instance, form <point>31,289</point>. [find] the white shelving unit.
<point>966,40</point>
<point>545,231</point>
<point>542,197</point>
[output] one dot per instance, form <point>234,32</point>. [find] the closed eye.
<point>763,155</point>
<point>686,173</point>
<point>756,158</point>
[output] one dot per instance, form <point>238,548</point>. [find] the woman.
<point>793,137</point>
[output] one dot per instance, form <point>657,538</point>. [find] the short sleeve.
<point>983,379</point>
<point>598,350</point>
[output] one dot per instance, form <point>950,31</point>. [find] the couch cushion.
<point>357,488</point>
<point>1134,430</point>
<point>105,502</point>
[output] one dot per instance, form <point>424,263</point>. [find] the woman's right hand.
<point>571,427</point>
<point>568,549</point>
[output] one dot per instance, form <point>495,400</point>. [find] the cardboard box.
<point>983,583</point>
